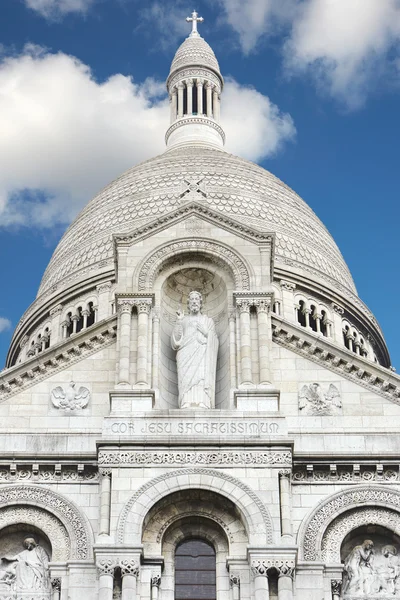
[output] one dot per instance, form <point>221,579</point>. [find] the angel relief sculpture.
<point>72,398</point>
<point>313,401</point>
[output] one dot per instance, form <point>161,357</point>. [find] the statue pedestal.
<point>130,401</point>
<point>256,399</point>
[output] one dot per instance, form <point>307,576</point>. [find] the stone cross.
<point>194,19</point>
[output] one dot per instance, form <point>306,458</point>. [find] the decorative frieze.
<point>346,473</point>
<point>48,473</point>
<point>154,458</point>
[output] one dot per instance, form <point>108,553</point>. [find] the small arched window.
<point>195,571</point>
<point>91,316</point>
<point>301,314</point>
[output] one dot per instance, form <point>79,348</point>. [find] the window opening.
<point>195,571</point>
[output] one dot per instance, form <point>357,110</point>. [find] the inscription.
<point>245,428</point>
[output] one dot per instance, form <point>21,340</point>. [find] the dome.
<point>234,186</point>
<point>194,51</point>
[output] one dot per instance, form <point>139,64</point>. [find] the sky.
<point>312,94</point>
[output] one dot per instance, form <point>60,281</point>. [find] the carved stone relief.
<point>26,571</point>
<point>314,401</point>
<point>71,398</point>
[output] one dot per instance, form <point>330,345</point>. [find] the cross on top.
<point>194,19</point>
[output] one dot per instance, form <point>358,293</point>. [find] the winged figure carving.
<point>313,401</point>
<point>72,398</point>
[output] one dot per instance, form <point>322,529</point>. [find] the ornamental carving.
<point>62,509</point>
<point>129,566</point>
<point>151,266</point>
<point>129,457</point>
<point>313,400</point>
<point>313,531</point>
<point>70,398</point>
<point>106,566</point>
<point>156,581</point>
<point>234,579</point>
<point>43,520</point>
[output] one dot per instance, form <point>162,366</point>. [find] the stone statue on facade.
<point>196,342</point>
<point>358,569</point>
<point>28,571</point>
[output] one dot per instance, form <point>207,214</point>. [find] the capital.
<point>189,82</point>
<point>105,472</point>
<point>124,306</point>
<point>129,566</point>
<point>243,305</point>
<point>285,568</point>
<point>336,586</point>
<point>156,581</point>
<point>234,579</point>
<point>259,568</point>
<point>56,584</point>
<point>106,566</point>
<point>144,306</point>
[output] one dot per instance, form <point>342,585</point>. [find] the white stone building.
<point>289,483</point>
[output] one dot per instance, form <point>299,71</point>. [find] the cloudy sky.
<point>312,94</point>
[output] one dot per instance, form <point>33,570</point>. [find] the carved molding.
<point>312,531</point>
<point>106,566</point>
<point>137,457</point>
<point>50,525</point>
<point>265,526</point>
<point>356,473</point>
<point>47,474</point>
<point>129,566</point>
<point>62,509</point>
<point>197,121</point>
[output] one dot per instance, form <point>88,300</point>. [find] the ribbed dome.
<point>194,51</point>
<point>233,186</point>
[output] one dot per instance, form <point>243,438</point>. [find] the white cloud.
<point>52,9</point>
<point>345,44</point>
<point>4,324</point>
<point>64,135</point>
<point>168,19</point>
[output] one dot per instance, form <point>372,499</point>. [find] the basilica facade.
<point>198,405</point>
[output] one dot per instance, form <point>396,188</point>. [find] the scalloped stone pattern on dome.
<point>234,186</point>
<point>194,51</point>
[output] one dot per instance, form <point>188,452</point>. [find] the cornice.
<point>57,358</point>
<point>188,120</point>
<point>350,366</point>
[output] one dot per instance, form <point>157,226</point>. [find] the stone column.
<point>56,587</point>
<point>124,308</point>
<point>105,567</point>
<point>55,315</point>
<point>245,341</point>
<point>260,573</point>
<point>200,96</point>
<point>105,501</point>
<point>174,104</point>
<point>216,104</point>
<point>129,573</point>
<point>209,88</point>
<point>180,87</point>
<point>74,320</point>
<point>263,317</point>
<point>235,586</point>
<point>232,349</point>
<point>285,582</point>
<point>336,587</point>
<point>189,87</point>
<point>85,314</point>
<point>286,518</point>
<point>155,586</point>
<point>156,348</point>
<point>143,308</point>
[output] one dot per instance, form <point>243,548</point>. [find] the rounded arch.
<point>151,265</point>
<point>255,515</point>
<point>315,527</point>
<point>58,509</point>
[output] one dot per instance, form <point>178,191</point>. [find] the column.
<point>216,104</point>
<point>124,339</point>
<point>307,316</point>
<point>209,89</point>
<point>174,104</point>
<point>235,586</point>
<point>156,348</point>
<point>85,314</point>
<point>189,87</point>
<point>336,587</point>
<point>199,83</point>
<point>263,308</point>
<point>105,567</point>
<point>284,489</point>
<point>129,573</point>
<point>318,318</point>
<point>143,308</point>
<point>180,87</point>
<point>56,587</point>
<point>245,341</point>
<point>232,349</point>
<point>285,582</point>
<point>155,586</point>
<point>55,315</point>
<point>105,501</point>
<point>64,327</point>
<point>74,319</point>
<point>261,587</point>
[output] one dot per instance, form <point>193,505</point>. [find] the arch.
<point>255,515</point>
<point>57,509</point>
<point>314,527</point>
<point>150,266</point>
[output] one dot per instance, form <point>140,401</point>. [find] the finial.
<point>194,19</point>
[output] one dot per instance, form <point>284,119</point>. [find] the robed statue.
<point>28,571</point>
<point>195,339</point>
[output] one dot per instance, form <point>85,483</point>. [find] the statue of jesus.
<point>195,339</point>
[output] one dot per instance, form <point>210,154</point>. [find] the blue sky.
<point>312,95</point>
